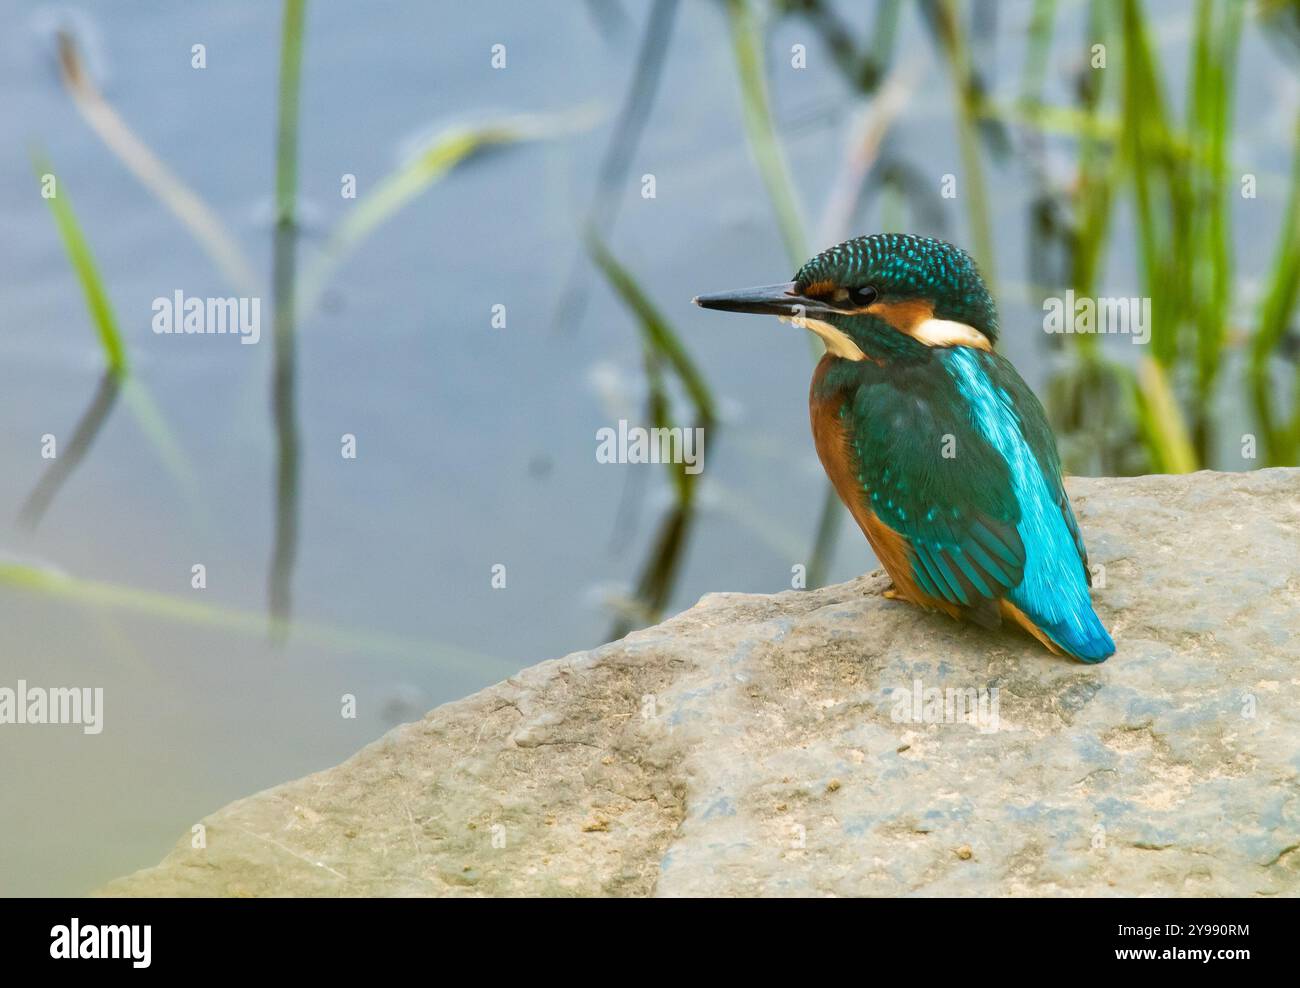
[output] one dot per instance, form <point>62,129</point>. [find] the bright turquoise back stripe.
<point>1053,592</point>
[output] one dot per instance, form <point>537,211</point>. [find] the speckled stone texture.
<point>754,745</point>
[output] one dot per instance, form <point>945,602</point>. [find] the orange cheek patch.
<point>915,318</point>
<point>903,316</point>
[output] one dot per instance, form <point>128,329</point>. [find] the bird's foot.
<point>890,593</point>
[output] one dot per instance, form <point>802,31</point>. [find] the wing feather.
<point>929,476</point>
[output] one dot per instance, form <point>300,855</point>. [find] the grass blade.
<point>1281,443</point>
<point>397,189</point>
<point>662,349</point>
<point>138,399</point>
<point>947,28</point>
<point>80,256</point>
<point>657,335</point>
<point>83,438</point>
<point>1162,420</point>
<point>284,552</point>
<point>54,584</point>
<point>747,48</point>
<point>184,204</point>
<point>286,139</point>
<point>623,143</point>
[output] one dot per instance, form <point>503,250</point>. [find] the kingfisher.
<point>938,448</point>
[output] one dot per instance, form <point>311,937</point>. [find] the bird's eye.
<point>864,296</point>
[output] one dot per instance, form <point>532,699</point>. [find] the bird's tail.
<point>1082,635</point>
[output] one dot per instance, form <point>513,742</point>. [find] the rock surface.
<point>754,745</point>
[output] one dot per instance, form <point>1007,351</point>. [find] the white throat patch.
<point>838,343</point>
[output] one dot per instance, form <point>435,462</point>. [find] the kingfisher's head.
<point>887,296</point>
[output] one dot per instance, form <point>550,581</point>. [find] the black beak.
<point>772,300</point>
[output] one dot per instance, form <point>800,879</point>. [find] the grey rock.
<point>754,745</point>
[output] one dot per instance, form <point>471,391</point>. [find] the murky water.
<point>475,445</point>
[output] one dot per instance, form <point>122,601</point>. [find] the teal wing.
<point>933,479</point>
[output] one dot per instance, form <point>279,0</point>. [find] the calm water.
<point>475,446</point>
